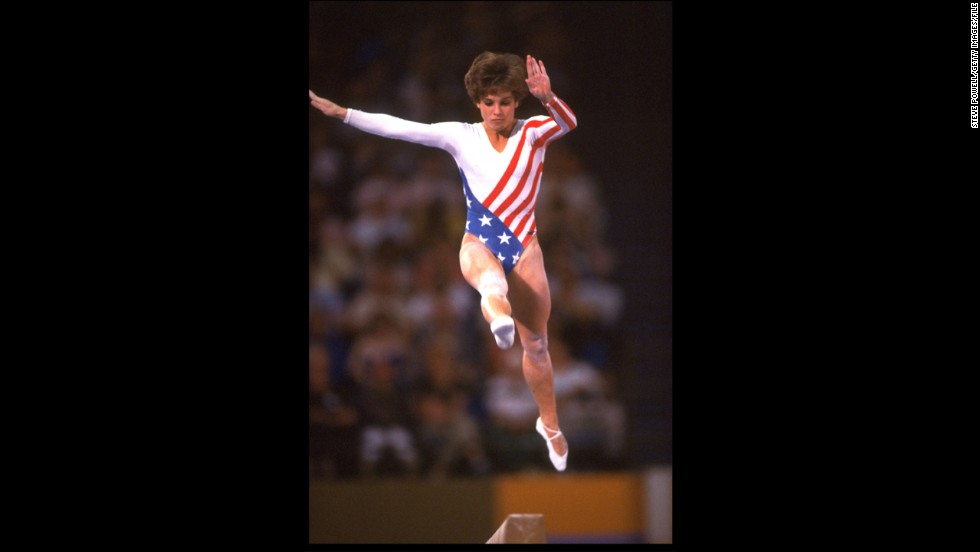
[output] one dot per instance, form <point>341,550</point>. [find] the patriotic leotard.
<point>501,188</point>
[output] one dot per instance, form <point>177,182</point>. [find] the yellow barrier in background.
<point>578,507</point>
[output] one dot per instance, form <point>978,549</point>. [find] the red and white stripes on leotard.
<point>513,199</point>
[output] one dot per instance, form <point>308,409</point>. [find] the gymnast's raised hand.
<point>538,82</point>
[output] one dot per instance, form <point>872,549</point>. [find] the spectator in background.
<point>326,308</point>
<point>378,213</point>
<point>593,419</point>
<point>511,440</point>
<point>587,307</point>
<point>326,161</point>
<point>336,263</point>
<point>431,199</point>
<point>334,422</point>
<point>379,362</point>
<point>450,439</point>
<point>383,294</point>
<point>570,204</point>
<point>439,301</point>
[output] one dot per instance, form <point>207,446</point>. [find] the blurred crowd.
<point>405,376</point>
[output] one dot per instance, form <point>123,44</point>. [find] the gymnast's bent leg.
<point>486,275</point>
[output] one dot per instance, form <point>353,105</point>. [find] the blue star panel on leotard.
<point>491,230</point>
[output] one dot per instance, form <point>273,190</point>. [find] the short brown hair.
<point>491,72</point>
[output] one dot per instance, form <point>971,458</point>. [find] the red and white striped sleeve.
<point>562,114</point>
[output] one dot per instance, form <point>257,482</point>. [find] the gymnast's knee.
<point>536,347</point>
<point>491,284</point>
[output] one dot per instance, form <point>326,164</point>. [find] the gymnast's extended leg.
<point>531,300</point>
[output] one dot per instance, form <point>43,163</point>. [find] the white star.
<point>467,202</point>
<point>485,220</point>
<point>467,225</point>
<point>501,257</point>
<point>504,238</point>
<point>518,256</point>
<point>482,239</point>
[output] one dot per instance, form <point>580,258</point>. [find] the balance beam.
<point>520,529</point>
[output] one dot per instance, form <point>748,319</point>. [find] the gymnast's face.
<point>497,110</point>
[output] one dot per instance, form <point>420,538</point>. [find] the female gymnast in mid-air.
<point>500,160</point>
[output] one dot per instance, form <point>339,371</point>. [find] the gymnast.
<point>500,161</point>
